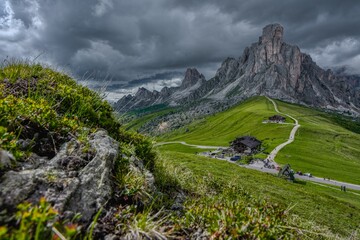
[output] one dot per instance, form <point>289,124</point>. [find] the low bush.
<point>39,222</point>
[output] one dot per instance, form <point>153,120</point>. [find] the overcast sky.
<point>123,44</point>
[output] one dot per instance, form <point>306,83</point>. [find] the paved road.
<point>312,179</point>
<point>336,188</point>
<point>267,170</point>
<point>272,155</point>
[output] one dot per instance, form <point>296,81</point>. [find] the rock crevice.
<point>71,190</point>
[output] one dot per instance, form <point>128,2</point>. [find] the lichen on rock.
<point>83,189</point>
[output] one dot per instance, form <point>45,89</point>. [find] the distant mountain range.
<point>269,67</point>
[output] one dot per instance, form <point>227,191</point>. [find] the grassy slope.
<point>327,207</point>
<point>245,119</point>
<point>139,122</point>
<point>322,147</point>
<point>38,103</point>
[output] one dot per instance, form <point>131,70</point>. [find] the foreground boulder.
<point>74,181</point>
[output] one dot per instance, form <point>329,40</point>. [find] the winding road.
<point>272,155</point>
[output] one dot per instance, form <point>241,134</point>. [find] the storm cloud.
<point>139,42</point>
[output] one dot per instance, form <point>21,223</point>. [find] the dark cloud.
<point>137,39</point>
<point>157,77</point>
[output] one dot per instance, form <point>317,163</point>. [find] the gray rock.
<point>268,67</point>
<point>6,159</point>
<point>192,77</point>
<point>178,204</point>
<point>95,178</point>
<point>71,189</point>
<point>25,144</point>
<point>200,234</point>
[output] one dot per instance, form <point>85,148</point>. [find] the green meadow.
<point>322,145</point>
<point>244,119</point>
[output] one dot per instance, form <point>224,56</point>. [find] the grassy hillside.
<point>322,146</point>
<point>244,119</point>
<point>324,206</point>
<point>44,109</point>
<point>138,122</point>
<point>36,99</point>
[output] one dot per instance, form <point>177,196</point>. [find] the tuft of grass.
<point>89,235</point>
<point>147,225</point>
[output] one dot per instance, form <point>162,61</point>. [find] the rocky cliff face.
<point>268,67</point>
<point>192,77</point>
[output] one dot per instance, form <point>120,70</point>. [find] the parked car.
<point>235,158</point>
<point>308,174</point>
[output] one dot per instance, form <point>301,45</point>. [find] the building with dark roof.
<point>277,118</point>
<point>246,144</point>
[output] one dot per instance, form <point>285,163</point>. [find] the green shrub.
<point>38,222</point>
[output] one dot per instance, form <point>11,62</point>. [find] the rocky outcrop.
<point>71,181</point>
<point>192,81</point>
<point>6,160</point>
<point>274,68</point>
<point>268,67</point>
<point>192,77</point>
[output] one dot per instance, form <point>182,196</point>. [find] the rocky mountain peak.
<point>192,76</point>
<point>269,67</point>
<point>143,93</point>
<point>271,33</point>
<point>142,90</point>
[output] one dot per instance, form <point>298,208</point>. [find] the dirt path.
<point>190,145</point>
<point>272,155</point>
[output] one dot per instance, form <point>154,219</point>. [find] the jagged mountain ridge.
<point>268,67</point>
